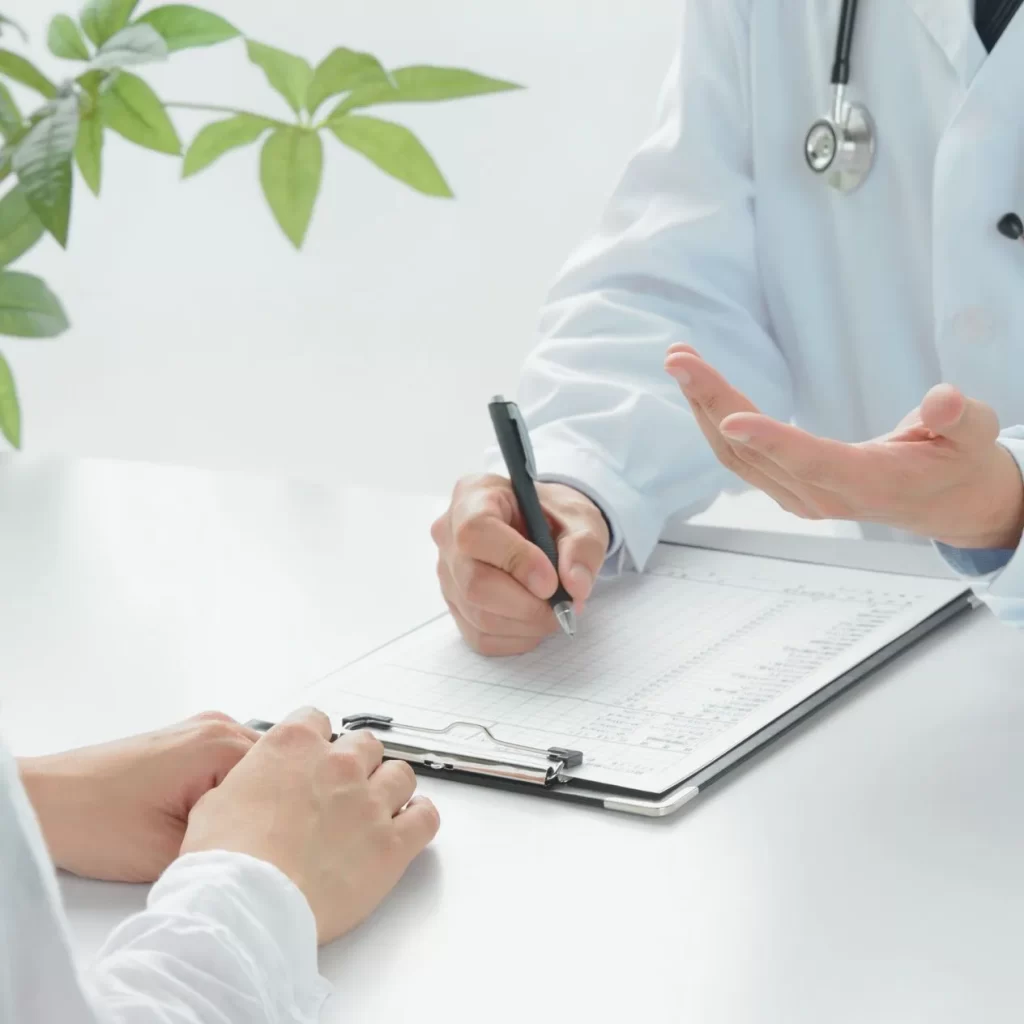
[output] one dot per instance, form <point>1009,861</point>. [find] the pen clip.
<point>524,437</point>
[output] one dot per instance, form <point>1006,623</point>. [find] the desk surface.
<point>871,868</point>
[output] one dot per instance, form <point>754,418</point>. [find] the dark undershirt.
<point>992,17</point>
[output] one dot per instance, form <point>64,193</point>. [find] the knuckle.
<point>433,815</point>
<point>467,534</point>
<point>439,530</point>
<point>213,716</point>
<point>346,765</point>
<point>298,734</point>
<point>369,744</point>
<point>219,731</point>
<point>516,561</point>
<point>404,772</point>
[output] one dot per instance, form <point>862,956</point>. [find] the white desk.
<point>870,869</point>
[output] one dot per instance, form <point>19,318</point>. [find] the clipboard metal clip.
<point>533,765</point>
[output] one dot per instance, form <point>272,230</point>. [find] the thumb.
<point>582,549</point>
<point>966,422</point>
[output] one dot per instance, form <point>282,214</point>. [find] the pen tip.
<point>566,619</point>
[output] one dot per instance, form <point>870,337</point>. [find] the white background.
<point>200,337</point>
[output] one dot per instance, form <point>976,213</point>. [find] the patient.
<point>263,847</point>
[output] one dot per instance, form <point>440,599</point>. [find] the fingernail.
<point>582,580</point>
<point>737,436</point>
<point>681,376</point>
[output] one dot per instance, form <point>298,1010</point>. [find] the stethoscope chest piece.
<point>841,147</point>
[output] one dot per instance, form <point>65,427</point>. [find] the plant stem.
<point>213,109</point>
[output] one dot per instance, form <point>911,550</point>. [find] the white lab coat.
<point>225,938</point>
<point>838,311</point>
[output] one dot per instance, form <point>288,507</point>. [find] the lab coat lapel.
<point>951,24</point>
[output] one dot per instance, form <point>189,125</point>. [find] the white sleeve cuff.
<point>635,527</point>
<point>1002,585</point>
<point>1005,591</point>
<point>225,935</point>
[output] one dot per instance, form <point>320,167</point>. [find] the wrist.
<point>52,790</point>
<point>998,510</point>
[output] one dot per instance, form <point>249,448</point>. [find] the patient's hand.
<point>119,811</point>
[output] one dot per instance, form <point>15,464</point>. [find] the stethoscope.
<point>841,146</point>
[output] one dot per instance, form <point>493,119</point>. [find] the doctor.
<point>862,277</point>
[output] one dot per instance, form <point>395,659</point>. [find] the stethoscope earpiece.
<point>841,145</point>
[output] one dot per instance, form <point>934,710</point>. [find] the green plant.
<point>69,126</point>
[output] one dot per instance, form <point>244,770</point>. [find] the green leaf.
<point>134,111</point>
<point>102,19</point>
<point>42,161</point>
<point>28,309</point>
<point>10,116</point>
<point>218,138</point>
<point>424,85</point>
<point>15,66</point>
<point>291,167</point>
<point>20,228</point>
<point>395,150</point>
<point>342,71</point>
<point>289,75</point>
<point>7,153</point>
<point>184,27</point>
<point>136,44</point>
<point>10,413</point>
<point>89,152</point>
<point>4,21</point>
<point>65,40</point>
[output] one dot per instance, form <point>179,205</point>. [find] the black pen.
<point>514,442</point>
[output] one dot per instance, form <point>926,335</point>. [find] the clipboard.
<point>516,768</point>
<point>479,752</point>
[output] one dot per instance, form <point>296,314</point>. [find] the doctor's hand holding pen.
<point>497,583</point>
<point>940,473</point>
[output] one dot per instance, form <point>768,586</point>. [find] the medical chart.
<point>669,670</point>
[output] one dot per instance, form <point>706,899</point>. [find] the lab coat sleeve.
<point>1000,573</point>
<point>674,260</point>
<point>224,938</point>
